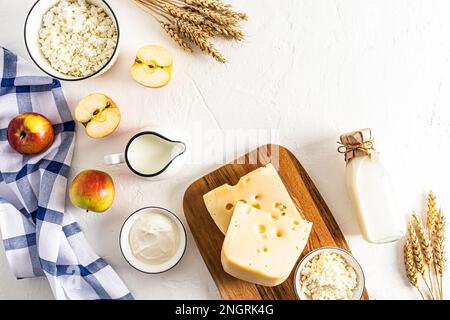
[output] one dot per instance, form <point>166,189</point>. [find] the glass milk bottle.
<point>370,189</point>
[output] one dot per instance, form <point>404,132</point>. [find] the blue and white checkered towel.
<point>39,238</point>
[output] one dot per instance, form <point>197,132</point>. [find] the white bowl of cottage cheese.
<point>72,39</point>
<point>329,274</point>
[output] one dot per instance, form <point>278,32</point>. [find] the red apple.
<point>30,133</point>
<point>92,190</point>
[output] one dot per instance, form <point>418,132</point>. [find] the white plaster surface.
<point>309,70</point>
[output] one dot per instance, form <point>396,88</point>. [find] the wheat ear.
<point>175,35</point>
<point>431,220</point>
<point>198,36</point>
<point>212,4</point>
<point>418,255</point>
<point>227,31</point>
<point>431,211</point>
<point>216,16</point>
<point>410,266</point>
<point>426,247</point>
<point>181,12</point>
<point>438,240</point>
<point>218,6</point>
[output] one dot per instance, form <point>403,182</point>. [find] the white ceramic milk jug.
<point>151,155</point>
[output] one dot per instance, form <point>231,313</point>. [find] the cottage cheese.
<point>77,37</point>
<point>327,276</point>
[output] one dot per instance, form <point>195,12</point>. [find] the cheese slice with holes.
<point>261,248</point>
<point>261,188</point>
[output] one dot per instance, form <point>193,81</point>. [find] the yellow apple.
<point>152,67</point>
<point>99,114</point>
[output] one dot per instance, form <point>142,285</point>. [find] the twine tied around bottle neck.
<point>356,144</point>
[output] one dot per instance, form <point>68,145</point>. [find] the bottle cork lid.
<point>356,144</point>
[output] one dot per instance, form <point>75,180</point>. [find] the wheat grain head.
<point>410,266</point>
<point>200,37</point>
<point>424,239</point>
<point>439,243</point>
<point>431,211</point>
<point>176,36</point>
<point>417,251</point>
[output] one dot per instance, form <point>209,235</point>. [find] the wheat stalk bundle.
<point>424,249</point>
<point>195,22</point>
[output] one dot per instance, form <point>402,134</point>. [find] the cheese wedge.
<point>261,188</point>
<point>261,248</point>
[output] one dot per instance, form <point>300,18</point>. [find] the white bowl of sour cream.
<point>153,240</point>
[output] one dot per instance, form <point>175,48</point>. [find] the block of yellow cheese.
<point>261,248</point>
<point>261,188</point>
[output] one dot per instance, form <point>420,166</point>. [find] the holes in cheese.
<point>262,188</point>
<point>261,228</point>
<point>262,251</point>
<point>256,206</point>
<point>279,206</point>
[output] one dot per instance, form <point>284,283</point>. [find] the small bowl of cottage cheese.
<point>72,39</point>
<point>329,274</point>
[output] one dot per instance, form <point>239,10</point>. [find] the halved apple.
<point>152,66</point>
<point>99,114</point>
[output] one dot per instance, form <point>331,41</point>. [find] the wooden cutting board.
<point>209,239</point>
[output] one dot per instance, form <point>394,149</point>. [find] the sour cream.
<point>153,240</point>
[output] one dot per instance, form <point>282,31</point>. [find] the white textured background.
<point>311,69</point>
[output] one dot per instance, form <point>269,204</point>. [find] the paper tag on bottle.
<point>357,144</point>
